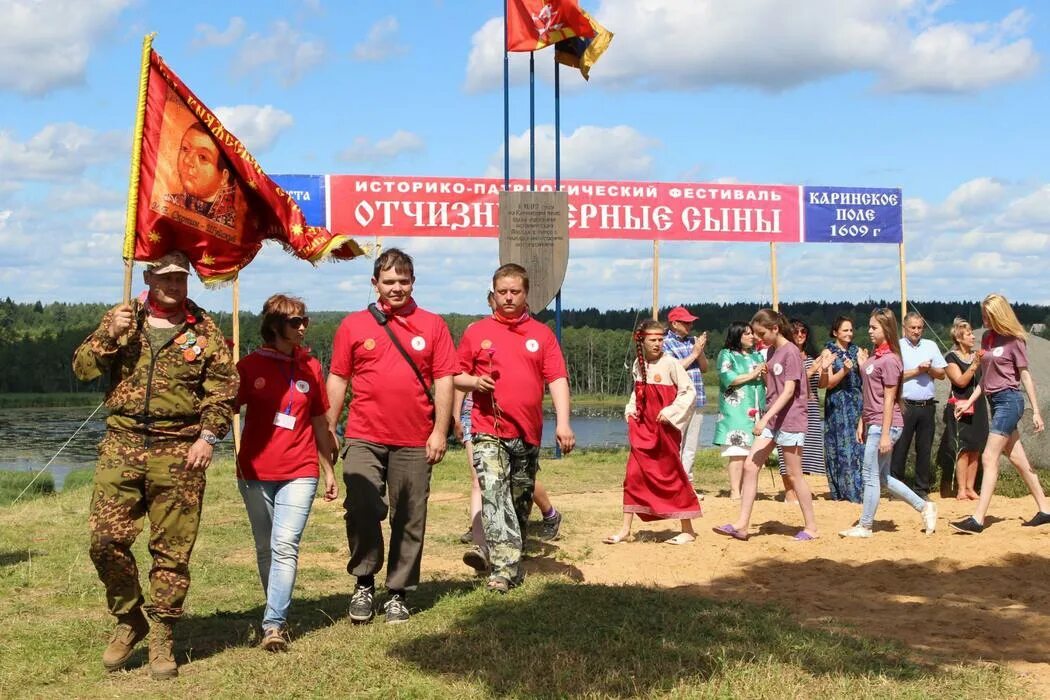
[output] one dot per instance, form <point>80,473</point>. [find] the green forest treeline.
<point>37,340</point>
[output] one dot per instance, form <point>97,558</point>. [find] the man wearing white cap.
<point>689,351</point>
<point>171,384</point>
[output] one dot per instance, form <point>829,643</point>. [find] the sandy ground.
<point>948,596</point>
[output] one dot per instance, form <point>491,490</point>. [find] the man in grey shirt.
<point>923,364</point>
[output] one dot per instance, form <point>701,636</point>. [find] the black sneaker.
<point>969,526</point>
<point>396,610</point>
<point>361,610</point>
<point>475,559</point>
<point>1040,518</point>
<point>498,584</point>
<point>467,537</point>
<point>551,526</point>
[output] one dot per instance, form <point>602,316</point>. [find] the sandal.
<point>615,539</point>
<point>681,538</point>
<point>729,531</point>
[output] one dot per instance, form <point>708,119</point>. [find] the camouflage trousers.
<point>507,475</point>
<point>133,481</point>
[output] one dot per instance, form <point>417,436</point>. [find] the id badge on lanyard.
<point>284,419</point>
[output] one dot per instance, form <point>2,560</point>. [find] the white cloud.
<point>46,44</point>
<point>59,152</point>
<point>381,42</point>
<point>257,127</point>
<point>364,150</point>
<point>590,152</point>
<point>284,51</point>
<point>107,221</point>
<point>776,45</point>
<point>82,194</point>
<point>975,195</point>
<point>1030,210</point>
<point>208,35</point>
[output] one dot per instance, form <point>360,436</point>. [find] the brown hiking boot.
<point>130,630</point>
<point>162,653</point>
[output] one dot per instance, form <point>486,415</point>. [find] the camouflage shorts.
<point>507,475</point>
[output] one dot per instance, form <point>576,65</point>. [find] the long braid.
<point>645,327</point>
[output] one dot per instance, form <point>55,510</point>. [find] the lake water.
<point>32,436</point>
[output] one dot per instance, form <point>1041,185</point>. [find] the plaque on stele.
<point>534,233</point>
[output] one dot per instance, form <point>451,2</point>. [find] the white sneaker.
<point>929,517</point>
<point>856,531</point>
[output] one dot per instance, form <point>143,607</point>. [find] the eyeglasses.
<point>298,321</point>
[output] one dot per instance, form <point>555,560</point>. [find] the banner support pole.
<point>656,280</point>
<point>236,355</point>
<point>904,279</point>
<point>773,273</point>
<point>136,159</point>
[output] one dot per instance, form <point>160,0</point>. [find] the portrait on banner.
<point>195,184</point>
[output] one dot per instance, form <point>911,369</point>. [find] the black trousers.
<point>919,424</point>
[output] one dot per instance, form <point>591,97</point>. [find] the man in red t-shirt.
<point>505,360</point>
<point>396,429</point>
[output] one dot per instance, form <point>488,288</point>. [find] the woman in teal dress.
<point>742,396</point>
<point>842,404</point>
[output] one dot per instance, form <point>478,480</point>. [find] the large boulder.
<point>1036,446</point>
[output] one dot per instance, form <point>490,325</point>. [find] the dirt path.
<point>950,597</point>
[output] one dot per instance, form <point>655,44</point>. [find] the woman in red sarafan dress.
<point>656,486</point>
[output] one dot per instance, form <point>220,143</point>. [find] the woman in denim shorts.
<point>782,425</point>
<point>1004,370</point>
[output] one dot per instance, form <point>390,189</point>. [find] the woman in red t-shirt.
<point>285,437</point>
<point>1004,370</point>
<point>782,425</point>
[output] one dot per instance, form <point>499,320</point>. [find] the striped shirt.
<point>681,348</point>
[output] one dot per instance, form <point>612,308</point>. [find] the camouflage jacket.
<point>188,385</point>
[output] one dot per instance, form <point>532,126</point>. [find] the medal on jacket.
<point>191,344</point>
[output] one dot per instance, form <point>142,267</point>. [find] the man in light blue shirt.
<point>689,351</point>
<point>923,364</point>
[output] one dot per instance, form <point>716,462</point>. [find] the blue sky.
<point>947,100</point>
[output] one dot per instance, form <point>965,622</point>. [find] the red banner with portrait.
<point>200,191</point>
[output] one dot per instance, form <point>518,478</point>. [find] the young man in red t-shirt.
<point>396,430</point>
<point>505,360</point>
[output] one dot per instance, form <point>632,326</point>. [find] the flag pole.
<point>904,279</point>
<point>773,272</point>
<point>136,158</point>
<point>236,354</point>
<point>656,279</point>
<point>532,121</point>
<point>557,177</point>
<point>506,103</point>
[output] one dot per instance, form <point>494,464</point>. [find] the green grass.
<point>550,638</point>
<point>13,483</point>
<point>77,478</point>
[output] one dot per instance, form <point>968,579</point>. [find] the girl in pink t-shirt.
<point>881,424</point>
<point>1004,369</point>
<point>783,424</point>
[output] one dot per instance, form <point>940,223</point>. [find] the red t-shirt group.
<point>521,357</point>
<point>389,406</point>
<point>273,383</point>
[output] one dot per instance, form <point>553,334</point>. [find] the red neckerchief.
<point>157,312</point>
<point>267,351</point>
<point>512,323</point>
<point>399,313</point>
<point>988,339</point>
<point>883,349</point>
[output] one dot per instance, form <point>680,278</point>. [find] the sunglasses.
<point>298,321</point>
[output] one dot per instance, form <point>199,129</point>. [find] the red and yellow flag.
<point>200,191</point>
<point>536,24</point>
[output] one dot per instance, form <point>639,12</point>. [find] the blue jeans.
<point>1007,408</point>
<point>278,511</point>
<point>876,474</point>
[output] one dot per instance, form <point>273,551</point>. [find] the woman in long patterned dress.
<point>741,397</point>
<point>813,450</point>
<point>842,406</point>
<point>656,486</point>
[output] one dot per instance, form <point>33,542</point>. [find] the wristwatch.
<point>209,437</point>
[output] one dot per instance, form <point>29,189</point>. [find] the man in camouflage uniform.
<point>171,387</point>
